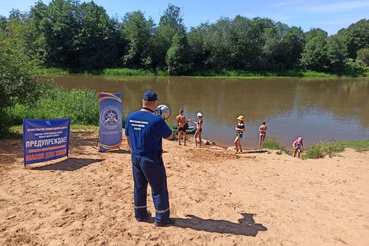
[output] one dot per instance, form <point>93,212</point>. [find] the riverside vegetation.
<point>321,149</point>
<point>82,38</point>
<point>25,92</point>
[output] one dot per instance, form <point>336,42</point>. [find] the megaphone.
<point>163,111</point>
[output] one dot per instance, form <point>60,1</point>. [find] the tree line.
<point>79,36</point>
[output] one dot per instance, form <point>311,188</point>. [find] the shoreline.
<point>317,150</point>
<point>125,72</point>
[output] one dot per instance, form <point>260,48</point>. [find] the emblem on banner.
<point>110,117</point>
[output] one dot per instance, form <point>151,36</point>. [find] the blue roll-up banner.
<point>45,140</point>
<point>110,137</point>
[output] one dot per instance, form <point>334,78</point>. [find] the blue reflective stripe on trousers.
<point>150,169</point>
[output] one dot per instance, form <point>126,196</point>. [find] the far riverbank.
<point>204,73</point>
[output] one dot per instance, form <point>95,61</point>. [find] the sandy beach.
<point>217,198</point>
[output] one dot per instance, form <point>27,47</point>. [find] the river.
<point>316,109</point>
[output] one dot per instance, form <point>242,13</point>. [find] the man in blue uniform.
<point>144,132</point>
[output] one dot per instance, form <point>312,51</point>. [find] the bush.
<point>363,55</point>
<point>19,75</point>
<point>273,143</point>
<point>354,68</point>
<point>82,106</point>
<point>323,149</point>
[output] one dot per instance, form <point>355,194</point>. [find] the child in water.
<point>297,146</point>
<point>198,129</point>
<point>240,128</point>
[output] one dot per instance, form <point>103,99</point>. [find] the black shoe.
<point>147,219</point>
<point>169,222</point>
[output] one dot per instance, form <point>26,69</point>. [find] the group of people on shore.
<point>182,124</point>
<point>240,129</point>
<point>144,132</point>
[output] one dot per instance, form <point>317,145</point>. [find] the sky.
<point>330,15</point>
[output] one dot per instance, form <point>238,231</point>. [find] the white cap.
<point>199,114</point>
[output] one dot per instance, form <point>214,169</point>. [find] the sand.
<point>217,198</point>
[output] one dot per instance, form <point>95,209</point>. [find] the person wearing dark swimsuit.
<point>240,128</point>
<point>197,135</point>
<point>181,126</point>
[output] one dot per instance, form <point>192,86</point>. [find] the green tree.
<point>60,32</point>
<point>171,22</point>
<point>241,31</point>
<point>217,42</point>
<point>315,32</point>
<point>357,36</point>
<point>98,38</point>
<point>363,55</point>
<point>198,51</point>
<point>71,35</point>
<point>3,22</point>
<point>290,47</point>
<point>315,56</point>
<point>137,31</point>
<point>177,58</point>
<point>18,80</point>
<point>337,53</point>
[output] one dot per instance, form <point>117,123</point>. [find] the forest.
<point>80,36</point>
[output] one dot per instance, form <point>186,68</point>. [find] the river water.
<point>316,109</point>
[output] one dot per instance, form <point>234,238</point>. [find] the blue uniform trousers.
<point>150,169</point>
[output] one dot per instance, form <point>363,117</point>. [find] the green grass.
<point>52,71</point>
<point>127,72</point>
<point>241,74</point>
<point>322,149</point>
<point>256,74</point>
<point>317,75</point>
<point>82,106</point>
<point>273,143</point>
<point>162,73</point>
<point>84,127</point>
<point>15,132</point>
<point>107,72</point>
<point>132,72</point>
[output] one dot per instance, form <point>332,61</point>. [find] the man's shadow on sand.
<point>245,226</point>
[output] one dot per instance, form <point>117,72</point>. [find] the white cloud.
<point>339,7</point>
<point>295,3</point>
<point>316,7</point>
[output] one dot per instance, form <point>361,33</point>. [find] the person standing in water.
<point>198,129</point>
<point>240,128</point>
<point>263,130</point>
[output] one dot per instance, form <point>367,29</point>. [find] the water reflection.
<point>317,109</point>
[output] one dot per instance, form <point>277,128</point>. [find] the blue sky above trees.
<point>330,15</point>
